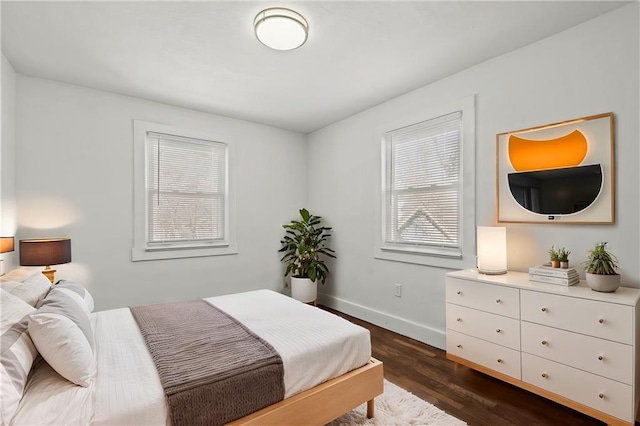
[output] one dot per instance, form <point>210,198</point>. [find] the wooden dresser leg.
<point>370,409</point>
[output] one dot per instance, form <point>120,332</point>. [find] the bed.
<point>328,369</point>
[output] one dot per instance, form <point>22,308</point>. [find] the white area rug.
<point>396,406</point>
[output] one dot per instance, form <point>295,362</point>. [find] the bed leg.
<point>370,409</point>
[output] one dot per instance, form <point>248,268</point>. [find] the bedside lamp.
<point>6,245</point>
<point>492,250</point>
<point>45,252</point>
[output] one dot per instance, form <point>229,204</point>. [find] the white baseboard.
<point>396,324</point>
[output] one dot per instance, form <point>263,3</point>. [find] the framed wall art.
<point>557,173</point>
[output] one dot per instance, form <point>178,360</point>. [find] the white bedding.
<point>315,346</point>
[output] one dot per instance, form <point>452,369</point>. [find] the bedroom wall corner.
<point>74,167</point>
<point>7,160</point>
<point>588,69</point>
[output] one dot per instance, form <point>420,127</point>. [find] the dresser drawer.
<point>494,328</point>
<point>600,319</point>
<point>596,392</point>
<point>485,297</point>
<point>490,355</point>
<point>602,357</point>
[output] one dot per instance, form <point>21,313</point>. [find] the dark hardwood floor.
<point>471,396</point>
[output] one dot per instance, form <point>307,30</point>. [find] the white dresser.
<point>569,344</point>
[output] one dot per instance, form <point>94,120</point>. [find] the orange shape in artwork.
<point>565,151</point>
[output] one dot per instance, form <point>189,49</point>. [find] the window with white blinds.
<point>184,193</point>
<point>186,183</point>
<point>423,187</point>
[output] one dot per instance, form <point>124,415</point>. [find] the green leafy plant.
<point>563,254</point>
<point>553,254</point>
<point>304,245</point>
<point>601,261</point>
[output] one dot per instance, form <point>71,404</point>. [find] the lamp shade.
<point>6,244</point>
<point>45,252</point>
<point>492,250</point>
<point>280,28</point>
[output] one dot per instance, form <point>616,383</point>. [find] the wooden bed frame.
<point>325,402</point>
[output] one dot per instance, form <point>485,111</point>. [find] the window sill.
<point>138,254</point>
<point>405,255</point>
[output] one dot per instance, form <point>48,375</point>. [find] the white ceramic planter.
<point>603,283</point>
<point>303,289</point>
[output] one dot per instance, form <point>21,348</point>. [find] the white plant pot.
<point>603,283</point>
<point>303,289</point>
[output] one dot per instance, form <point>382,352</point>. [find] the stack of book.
<point>549,275</point>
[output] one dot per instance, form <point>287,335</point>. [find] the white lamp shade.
<point>281,29</point>
<point>492,249</point>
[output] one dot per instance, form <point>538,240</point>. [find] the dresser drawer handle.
<point>498,331</point>
<point>498,301</point>
<point>601,395</point>
<point>600,358</point>
<point>601,320</point>
<point>544,342</point>
<point>459,346</point>
<point>459,319</point>
<point>544,375</point>
<point>500,361</point>
<point>458,292</point>
<point>544,309</point>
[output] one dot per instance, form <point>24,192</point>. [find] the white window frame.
<point>142,250</point>
<point>425,255</point>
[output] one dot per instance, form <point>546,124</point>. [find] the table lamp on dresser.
<point>492,250</point>
<point>45,252</point>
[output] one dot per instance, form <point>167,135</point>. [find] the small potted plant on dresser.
<point>553,257</point>
<point>563,257</point>
<point>304,246</point>
<point>600,269</point>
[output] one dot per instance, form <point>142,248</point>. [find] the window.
<point>186,183</point>
<point>423,185</point>
<point>182,195</point>
<point>424,189</point>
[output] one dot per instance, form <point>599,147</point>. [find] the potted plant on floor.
<point>304,246</point>
<point>600,269</point>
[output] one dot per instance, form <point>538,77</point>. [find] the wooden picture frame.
<point>557,173</point>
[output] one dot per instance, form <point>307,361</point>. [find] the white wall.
<point>586,70</point>
<point>7,158</point>
<point>74,174</point>
<point>74,165</point>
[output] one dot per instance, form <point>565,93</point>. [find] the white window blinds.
<point>186,191</point>
<point>423,187</point>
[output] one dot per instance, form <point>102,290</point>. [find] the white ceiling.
<point>203,55</point>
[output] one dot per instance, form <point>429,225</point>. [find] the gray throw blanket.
<point>212,368</point>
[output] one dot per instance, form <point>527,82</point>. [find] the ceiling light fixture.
<point>280,28</point>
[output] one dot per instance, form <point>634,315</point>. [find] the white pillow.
<point>64,346</point>
<point>33,288</point>
<point>18,275</point>
<point>17,353</point>
<point>12,310</point>
<point>78,292</point>
<point>62,332</point>
<point>9,285</point>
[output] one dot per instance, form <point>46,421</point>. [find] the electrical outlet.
<point>398,290</point>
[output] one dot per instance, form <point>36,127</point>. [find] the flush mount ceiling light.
<point>280,28</point>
